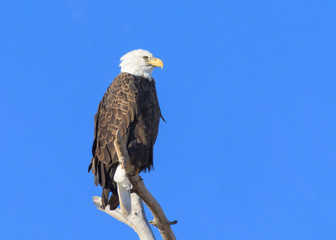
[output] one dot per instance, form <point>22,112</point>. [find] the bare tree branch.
<point>160,219</point>
<point>136,219</point>
<point>114,213</point>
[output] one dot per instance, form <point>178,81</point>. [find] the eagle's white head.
<point>139,63</point>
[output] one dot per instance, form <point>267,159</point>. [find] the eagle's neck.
<point>145,71</point>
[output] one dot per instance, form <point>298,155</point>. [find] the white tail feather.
<point>124,188</point>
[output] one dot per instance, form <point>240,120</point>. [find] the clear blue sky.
<point>248,91</point>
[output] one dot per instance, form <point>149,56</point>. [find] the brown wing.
<point>116,111</point>
<point>130,104</point>
<point>146,125</point>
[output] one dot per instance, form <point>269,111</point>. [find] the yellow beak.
<point>156,62</point>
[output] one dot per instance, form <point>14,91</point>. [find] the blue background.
<point>248,91</point>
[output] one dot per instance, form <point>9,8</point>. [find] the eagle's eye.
<point>145,57</point>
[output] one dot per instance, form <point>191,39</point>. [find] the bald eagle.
<point>130,105</point>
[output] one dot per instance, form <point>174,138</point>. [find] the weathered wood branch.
<point>136,219</point>
<point>160,219</point>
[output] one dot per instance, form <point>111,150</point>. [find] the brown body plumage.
<point>130,104</point>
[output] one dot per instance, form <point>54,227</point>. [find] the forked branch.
<point>137,218</point>
<point>160,220</point>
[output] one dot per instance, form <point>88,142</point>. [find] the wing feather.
<point>116,111</point>
<point>130,105</point>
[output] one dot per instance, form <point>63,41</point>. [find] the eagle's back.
<point>130,104</point>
